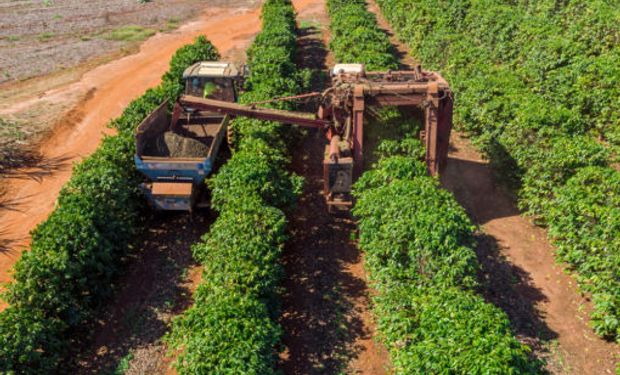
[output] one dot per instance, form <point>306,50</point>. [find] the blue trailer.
<point>176,182</point>
<point>175,178</point>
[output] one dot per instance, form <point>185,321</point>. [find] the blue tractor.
<point>176,151</point>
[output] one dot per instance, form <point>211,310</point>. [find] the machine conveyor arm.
<point>266,114</point>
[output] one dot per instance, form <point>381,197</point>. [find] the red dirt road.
<point>328,326</point>
<point>543,302</point>
<point>31,193</point>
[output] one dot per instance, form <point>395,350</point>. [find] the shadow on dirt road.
<point>521,276</point>
<point>325,314</point>
<point>321,315</point>
<point>157,286</point>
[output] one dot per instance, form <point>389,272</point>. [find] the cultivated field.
<point>42,37</point>
<point>506,262</point>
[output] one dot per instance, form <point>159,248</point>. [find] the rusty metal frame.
<point>341,116</point>
<point>359,107</point>
<point>266,114</point>
<point>426,90</point>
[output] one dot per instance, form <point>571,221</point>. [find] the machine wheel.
<point>230,137</point>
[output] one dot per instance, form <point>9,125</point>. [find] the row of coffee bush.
<point>76,254</point>
<point>231,328</point>
<point>537,87</point>
<point>419,250</point>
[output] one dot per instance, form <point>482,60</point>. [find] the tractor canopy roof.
<point>211,69</point>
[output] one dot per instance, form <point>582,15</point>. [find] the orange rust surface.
<point>172,188</point>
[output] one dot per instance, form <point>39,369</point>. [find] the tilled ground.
<point>46,45</point>
<point>39,37</point>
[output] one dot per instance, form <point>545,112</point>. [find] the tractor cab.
<point>213,80</point>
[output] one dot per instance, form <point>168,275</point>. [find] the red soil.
<point>542,301</point>
<point>328,327</point>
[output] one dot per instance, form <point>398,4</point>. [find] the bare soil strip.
<point>326,318</point>
<point>543,303</point>
<point>158,285</point>
<point>31,192</point>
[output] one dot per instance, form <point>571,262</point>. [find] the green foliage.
<point>537,86</point>
<point>259,169</point>
<point>76,253</point>
<point>418,246</point>
<point>231,328</point>
<point>418,242</point>
<point>413,232</point>
<point>134,112</point>
<point>259,230</point>
<point>356,38</point>
<point>584,222</point>
<point>123,365</point>
<point>230,333</point>
<point>551,164</point>
<point>448,331</point>
<point>130,33</point>
<point>29,341</point>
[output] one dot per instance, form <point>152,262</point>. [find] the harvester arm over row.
<point>267,114</point>
<point>341,116</point>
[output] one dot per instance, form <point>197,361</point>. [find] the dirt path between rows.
<point>31,193</point>
<point>405,59</point>
<point>543,303</point>
<point>328,328</point>
<point>157,286</point>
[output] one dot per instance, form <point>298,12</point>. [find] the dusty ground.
<point>48,44</point>
<point>543,303</point>
<point>104,93</point>
<point>326,319</point>
<point>328,328</point>
<point>53,42</point>
<point>158,285</point>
